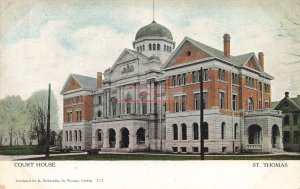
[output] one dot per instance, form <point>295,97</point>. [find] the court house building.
<point>149,100</point>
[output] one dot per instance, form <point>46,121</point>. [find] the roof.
<point>85,81</point>
<point>293,101</point>
<point>154,30</point>
<point>239,60</point>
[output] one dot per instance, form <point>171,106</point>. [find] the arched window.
<point>80,135</point>
<point>196,131</point>
<point>235,130</point>
<point>154,47</point>
<point>140,136</point>
<point>138,49</point>
<point>170,49</point>
<point>223,130</point>
<point>75,133</point>
<point>99,113</point>
<point>158,47</point>
<point>205,130</point>
<point>175,132</point>
<point>183,131</point>
<point>150,47</point>
<point>114,106</point>
<point>286,120</point>
<point>70,135</point>
<point>250,104</point>
<point>128,103</point>
<point>143,47</point>
<point>99,135</point>
<point>67,138</point>
<point>144,103</point>
<point>165,48</point>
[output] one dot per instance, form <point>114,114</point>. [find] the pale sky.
<point>44,41</point>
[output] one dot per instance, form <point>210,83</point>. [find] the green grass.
<point>116,157</point>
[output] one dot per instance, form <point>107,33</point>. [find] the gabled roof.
<point>291,101</point>
<point>85,82</point>
<point>238,61</point>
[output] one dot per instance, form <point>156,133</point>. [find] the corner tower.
<point>154,40</point>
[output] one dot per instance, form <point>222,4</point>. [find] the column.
<point>104,105</point>
<point>148,97</point>
<point>152,96</point>
<point>118,102</point>
<point>107,105</point>
<point>132,140</point>
<point>121,101</point>
<point>137,103</point>
<point>133,89</point>
<point>105,139</point>
<point>118,139</point>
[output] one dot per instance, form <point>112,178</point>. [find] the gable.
<point>252,64</point>
<point>73,84</point>
<point>286,106</point>
<point>187,53</point>
<point>125,56</point>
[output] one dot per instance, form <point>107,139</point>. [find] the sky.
<point>44,41</point>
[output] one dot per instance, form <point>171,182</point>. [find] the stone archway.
<point>112,138</point>
<point>124,143</point>
<point>275,136</point>
<point>254,134</point>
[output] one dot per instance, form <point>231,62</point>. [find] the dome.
<point>153,30</point>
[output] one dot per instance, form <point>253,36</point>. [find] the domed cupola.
<point>154,40</point>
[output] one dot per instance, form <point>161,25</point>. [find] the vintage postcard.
<point>150,94</point>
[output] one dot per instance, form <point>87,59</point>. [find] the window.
<point>295,137</point>
<point>183,79</point>
<point>175,132</point>
<point>260,86</point>
<point>144,104</point>
<point>195,149</point>
<point>143,47</point>
<point>69,115</point>
<point>235,80</point>
<point>78,115</point>
<point>194,77</point>
<point>267,104</point>
<point>173,80</point>
<point>250,104</point>
<point>114,106</point>
<point>286,120</point>
<point>67,138</point>
<point>235,130</point>
<point>234,102</point>
<point>80,135</point>
<point>165,48</point>
<point>138,49</point>
<point>128,103</point>
<point>176,99</point>
<point>100,100</point>
<point>196,131</point>
<point>222,75</point>
<point>197,101</point>
<point>286,136</point>
<point>205,130</point>
<point>70,135</point>
<point>183,132</point>
<point>99,135</point>
<point>188,53</point>
<point>150,47</point>
<point>75,132</point>
<point>259,104</point>
<point>205,75</point>
<point>140,134</point>
<point>295,120</point>
<point>267,88</point>
<point>174,149</point>
<point>222,98</point>
<point>179,80</point>
<point>158,47</point>
<point>154,47</point>
<point>223,130</point>
<point>183,103</point>
<point>99,113</point>
<point>183,149</point>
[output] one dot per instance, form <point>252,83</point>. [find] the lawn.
<point>116,157</point>
<point>18,150</point>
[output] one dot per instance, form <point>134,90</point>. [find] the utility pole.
<point>201,115</point>
<point>48,123</point>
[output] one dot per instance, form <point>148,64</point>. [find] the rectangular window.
<point>183,103</point>
<point>295,120</point>
<point>205,75</point>
<point>173,80</point>
<point>197,101</point>
<point>194,76</point>
<point>69,116</point>
<point>183,149</point>
<point>234,79</point>
<point>260,86</point>
<point>179,80</point>
<point>222,75</point>
<point>286,136</point>
<point>183,79</point>
<point>176,99</point>
<point>222,98</point>
<point>195,149</point>
<point>174,149</point>
<point>296,137</point>
<point>234,102</point>
<point>78,115</point>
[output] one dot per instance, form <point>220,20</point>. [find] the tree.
<point>13,119</point>
<point>37,107</point>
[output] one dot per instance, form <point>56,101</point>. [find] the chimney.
<point>261,59</point>
<point>286,94</point>
<point>226,45</point>
<point>99,80</point>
